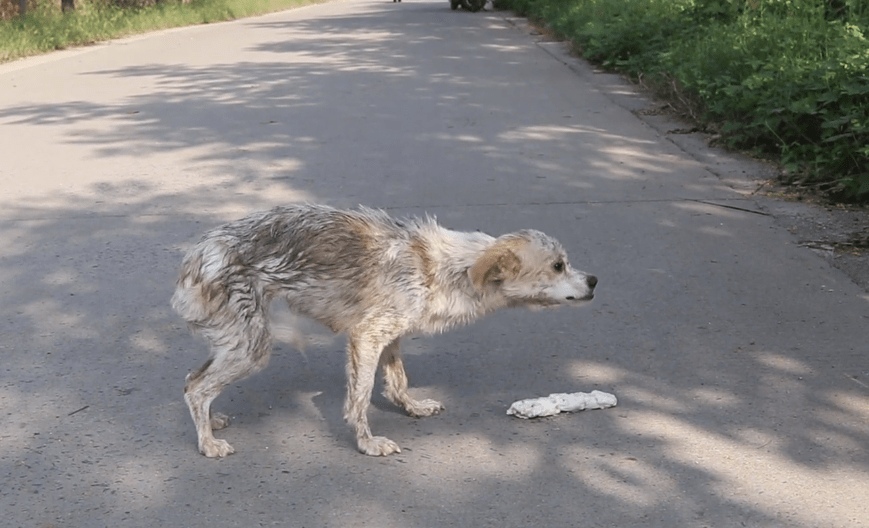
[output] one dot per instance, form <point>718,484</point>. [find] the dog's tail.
<point>201,293</point>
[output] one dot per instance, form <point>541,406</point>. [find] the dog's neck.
<point>452,298</point>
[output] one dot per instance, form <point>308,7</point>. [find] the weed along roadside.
<point>49,25</point>
<point>785,80</point>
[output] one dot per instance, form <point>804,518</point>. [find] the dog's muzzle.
<point>591,281</point>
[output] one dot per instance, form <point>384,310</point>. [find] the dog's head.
<point>531,269</point>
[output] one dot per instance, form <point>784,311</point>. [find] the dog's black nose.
<point>591,280</point>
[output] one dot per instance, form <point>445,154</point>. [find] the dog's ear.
<point>497,263</point>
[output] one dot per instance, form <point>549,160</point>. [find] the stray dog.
<point>361,273</point>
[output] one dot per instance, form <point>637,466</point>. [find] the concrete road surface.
<point>738,357</point>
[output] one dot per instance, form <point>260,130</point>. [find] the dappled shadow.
<point>736,356</point>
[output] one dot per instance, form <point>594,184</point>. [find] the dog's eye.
<point>558,266</point>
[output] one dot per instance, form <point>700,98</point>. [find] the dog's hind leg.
<point>395,380</point>
<point>363,351</point>
<point>238,350</point>
<point>199,391</point>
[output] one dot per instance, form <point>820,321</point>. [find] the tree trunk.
<point>22,7</point>
<point>67,5</point>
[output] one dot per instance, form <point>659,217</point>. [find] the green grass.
<point>783,78</point>
<point>45,28</point>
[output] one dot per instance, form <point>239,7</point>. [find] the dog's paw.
<point>377,446</point>
<point>425,408</point>
<point>219,421</point>
<point>215,448</point>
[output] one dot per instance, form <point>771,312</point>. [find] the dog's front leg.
<point>363,355</point>
<point>395,380</point>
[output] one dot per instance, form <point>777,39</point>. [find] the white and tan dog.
<point>361,273</point>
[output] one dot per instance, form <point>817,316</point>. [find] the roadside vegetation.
<point>786,79</point>
<point>46,27</point>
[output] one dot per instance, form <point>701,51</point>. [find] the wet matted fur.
<point>361,273</point>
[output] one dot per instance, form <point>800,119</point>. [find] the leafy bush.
<point>782,77</point>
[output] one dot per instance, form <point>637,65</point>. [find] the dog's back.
<point>330,265</point>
